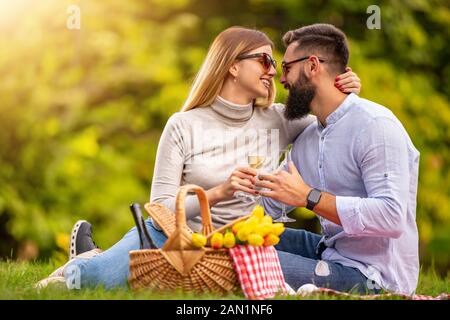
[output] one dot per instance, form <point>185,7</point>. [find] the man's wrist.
<point>303,196</point>
<point>313,198</point>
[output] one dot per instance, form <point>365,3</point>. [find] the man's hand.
<point>287,187</point>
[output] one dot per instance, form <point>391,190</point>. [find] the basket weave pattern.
<point>178,264</point>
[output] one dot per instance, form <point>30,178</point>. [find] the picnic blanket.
<point>259,271</point>
<point>260,275</point>
<point>331,292</point>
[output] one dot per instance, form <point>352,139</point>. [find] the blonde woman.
<point>229,113</point>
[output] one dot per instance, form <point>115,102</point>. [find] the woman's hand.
<point>241,179</point>
<point>348,82</point>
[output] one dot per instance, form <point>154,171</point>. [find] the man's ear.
<point>312,66</point>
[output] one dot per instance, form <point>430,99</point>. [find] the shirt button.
<point>322,138</point>
<point>320,166</point>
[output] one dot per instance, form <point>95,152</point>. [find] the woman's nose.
<point>272,71</point>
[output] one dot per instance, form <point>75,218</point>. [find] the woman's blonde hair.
<point>223,52</point>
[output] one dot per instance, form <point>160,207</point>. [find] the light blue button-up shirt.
<point>365,158</point>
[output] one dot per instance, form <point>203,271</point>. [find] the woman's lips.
<point>266,83</point>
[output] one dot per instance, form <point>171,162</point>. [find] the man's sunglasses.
<point>284,65</point>
<point>266,60</point>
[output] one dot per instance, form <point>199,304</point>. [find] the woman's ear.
<point>234,70</point>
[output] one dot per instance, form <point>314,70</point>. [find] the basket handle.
<point>180,211</point>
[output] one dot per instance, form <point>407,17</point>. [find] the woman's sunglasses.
<point>266,60</point>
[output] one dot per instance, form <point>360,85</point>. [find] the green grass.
<point>17,280</point>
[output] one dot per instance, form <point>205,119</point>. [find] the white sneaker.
<point>50,280</point>
<point>289,289</point>
<point>306,289</point>
<point>57,276</point>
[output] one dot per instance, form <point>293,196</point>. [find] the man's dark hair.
<point>325,41</point>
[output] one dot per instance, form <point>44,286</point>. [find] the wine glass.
<point>256,162</point>
<point>285,157</point>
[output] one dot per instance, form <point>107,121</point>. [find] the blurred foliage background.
<point>81,111</point>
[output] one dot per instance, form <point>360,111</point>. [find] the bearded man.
<point>355,167</point>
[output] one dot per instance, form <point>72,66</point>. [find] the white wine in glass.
<point>256,162</point>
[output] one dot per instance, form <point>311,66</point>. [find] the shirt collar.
<point>340,111</point>
<point>232,111</point>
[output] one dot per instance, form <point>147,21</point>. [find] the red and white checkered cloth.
<point>259,271</point>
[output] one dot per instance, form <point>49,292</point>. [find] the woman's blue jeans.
<point>110,268</point>
<point>299,261</point>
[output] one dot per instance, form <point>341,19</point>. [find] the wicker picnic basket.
<point>178,264</point>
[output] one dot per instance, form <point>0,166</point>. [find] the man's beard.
<point>299,99</point>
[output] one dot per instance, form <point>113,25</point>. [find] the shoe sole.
<point>73,237</point>
<point>44,283</point>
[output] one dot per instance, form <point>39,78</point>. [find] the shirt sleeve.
<point>169,165</point>
<point>382,154</point>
